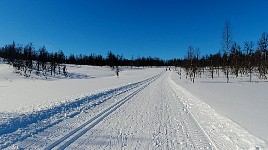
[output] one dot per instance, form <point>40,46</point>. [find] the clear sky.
<point>157,28</point>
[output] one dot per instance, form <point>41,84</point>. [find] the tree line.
<point>26,59</point>
<point>234,59</point>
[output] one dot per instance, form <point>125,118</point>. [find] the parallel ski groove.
<point>71,111</point>
<point>94,121</point>
<point>191,130</point>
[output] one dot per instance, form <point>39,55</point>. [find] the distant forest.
<point>247,60</point>
<point>27,59</point>
<point>232,59</point>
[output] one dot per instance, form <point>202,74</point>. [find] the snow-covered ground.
<point>143,108</point>
<point>25,94</point>
<point>241,101</point>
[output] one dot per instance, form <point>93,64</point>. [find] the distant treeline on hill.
<point>251,59</point>
<point>13,53</point>
<point>27,59</point>
<point>233,59</point>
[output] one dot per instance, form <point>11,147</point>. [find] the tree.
<point>28,56</point>
<point>71,59</point>
<point>263,48</point>
<point>11,53</point>
<point>235,57</point>
<point>60,59</point>
<point>191,63</point>
<point>248,48</point>
<point>43,59</point>
<point>226,44</point>
<point>112,59</point>
<point>211,65</point>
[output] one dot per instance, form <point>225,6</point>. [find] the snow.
<point>143,108</point>
<point>243,102</point>
<point>18,93</point>
<point>150,120</point>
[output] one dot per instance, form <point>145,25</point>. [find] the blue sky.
<point>157,28</point>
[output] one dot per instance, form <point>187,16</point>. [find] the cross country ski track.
<point>149,114</point>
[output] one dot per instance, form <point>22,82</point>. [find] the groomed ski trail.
<point>152,114</point>
<point>152,119</point>
<point>38,129</point>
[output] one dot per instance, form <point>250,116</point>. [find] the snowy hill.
<point>143,108</point>
<point>27,94</point>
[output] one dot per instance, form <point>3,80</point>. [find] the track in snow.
<point>154,118</point>
<point>39,129</point>
<point>78,132</point>
<point>223,132</point>
<point>151,114</point>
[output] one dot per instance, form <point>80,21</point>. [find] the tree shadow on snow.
<point>60,76</point>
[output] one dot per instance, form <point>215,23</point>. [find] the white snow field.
<point>243,102</point>
<point>141,109</point>
<point>25,94</point>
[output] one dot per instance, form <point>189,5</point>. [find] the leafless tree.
<point>226,45</point>
<point>248,47</point>
<point>263,48</point>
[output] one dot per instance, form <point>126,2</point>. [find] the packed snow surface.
<point>143,108</point>
<point>241,101</point>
